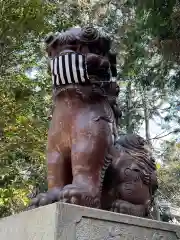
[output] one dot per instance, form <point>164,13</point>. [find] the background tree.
<point>25,91</point>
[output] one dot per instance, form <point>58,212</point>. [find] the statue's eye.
<point>94,49</point>
<point>72,42</point>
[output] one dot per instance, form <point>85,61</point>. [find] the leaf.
<point>158,166</point>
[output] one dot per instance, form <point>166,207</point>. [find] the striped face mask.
<point>69,68</point>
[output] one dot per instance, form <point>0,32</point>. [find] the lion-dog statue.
<point>82,137</point>
<point>130,181</point>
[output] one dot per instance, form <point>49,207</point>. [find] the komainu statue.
<point>130,181</point>
<point>83,125</point>
<point>82,138</point>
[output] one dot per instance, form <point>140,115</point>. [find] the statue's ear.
<point>105,44</point>
<point>143,142</point>
<point>49,39</point>
<point>52,40</point>
<point>51,44</point>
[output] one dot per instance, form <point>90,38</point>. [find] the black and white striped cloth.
<point>69,68</point>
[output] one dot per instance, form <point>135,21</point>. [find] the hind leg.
<point>89,147</point>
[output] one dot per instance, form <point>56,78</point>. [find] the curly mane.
<point>139,149</point>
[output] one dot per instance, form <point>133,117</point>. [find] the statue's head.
<point>88,36</point>
<point>138,148</point>
<point>82,40</point>
<point>132,141</point>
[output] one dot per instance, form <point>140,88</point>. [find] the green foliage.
<point>24,127</point>
<point>157,15</point>
<point>169,173</point>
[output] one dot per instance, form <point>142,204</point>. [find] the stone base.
<point>69,222</point>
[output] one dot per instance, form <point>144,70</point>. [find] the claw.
<point>45,198</point>
<point>44,201</point>
<point>74,200</point>
<point>78,196</point>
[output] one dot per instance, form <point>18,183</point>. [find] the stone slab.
<point>69,222</point>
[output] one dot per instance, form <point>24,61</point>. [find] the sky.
<point>155,130</point>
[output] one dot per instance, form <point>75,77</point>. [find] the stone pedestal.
<point>69,222</point>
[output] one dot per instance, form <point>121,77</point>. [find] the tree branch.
<point>159,135</point>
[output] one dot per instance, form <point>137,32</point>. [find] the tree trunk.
<point>129,128</point>
<point>146,115</point>
<point>155,213</point>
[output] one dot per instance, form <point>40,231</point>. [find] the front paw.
<point>121,206</point>
<point>79,196</point>
<point>43,199</point>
